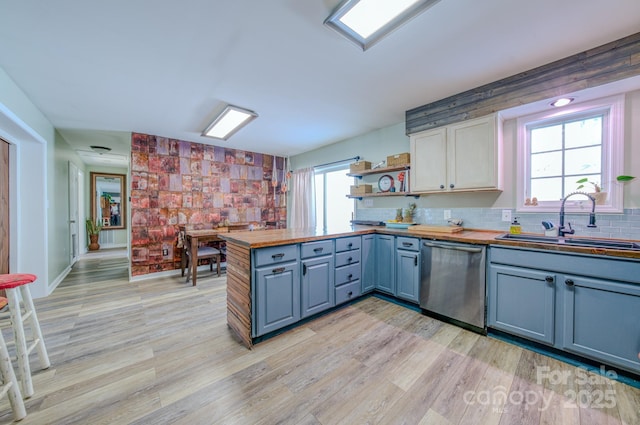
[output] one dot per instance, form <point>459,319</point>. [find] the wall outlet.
<point>506,215</point>
<point>447,214</point>
<point>165,252</point>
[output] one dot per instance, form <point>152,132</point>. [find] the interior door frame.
<point>74,214</point>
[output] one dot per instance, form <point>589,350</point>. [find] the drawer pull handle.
<point>278,270</point>
<point>407,244</point>
<point>304,270</point>
<point>549,279</point>
<point>349,276</point>
<point>318,249</point>
<point>569,282</point>
<point>280,255</point>
<point>415,261</point>
<point>350,294</point>
<point>349,259</point>
<point>350,244</point>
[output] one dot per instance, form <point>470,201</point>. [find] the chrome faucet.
<point>592,214</point>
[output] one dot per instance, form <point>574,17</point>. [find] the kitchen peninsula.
<point>276,250</point>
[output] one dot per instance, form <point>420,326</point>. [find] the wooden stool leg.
<point>10,382</point>
<point>218,264</point>
<point>36,332</point>
<point>24,369</point>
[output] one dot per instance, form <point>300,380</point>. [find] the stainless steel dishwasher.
<point>453,282</point>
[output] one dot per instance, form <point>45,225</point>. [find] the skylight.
<point>365,22</point>
<point>230,120</point>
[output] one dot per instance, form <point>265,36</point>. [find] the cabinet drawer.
<point>347,257</point>
<point>316,249</point>
<point>347,274</point>
<point>410,244</point>
<point>347,244</point>
<point>275,255</point>
<point>347,292</point>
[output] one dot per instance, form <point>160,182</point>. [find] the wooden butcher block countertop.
<point>275,237</point>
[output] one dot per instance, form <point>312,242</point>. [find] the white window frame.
<point>612,154</point>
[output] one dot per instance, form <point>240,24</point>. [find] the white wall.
<point>30,135</point>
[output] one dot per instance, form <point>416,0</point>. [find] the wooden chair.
<point>204,252</point>
<point>238,227</point>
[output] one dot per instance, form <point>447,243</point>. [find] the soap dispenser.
<point>515,228</point>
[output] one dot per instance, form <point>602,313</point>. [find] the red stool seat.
<point>13,280</point>
<point>19,298</point>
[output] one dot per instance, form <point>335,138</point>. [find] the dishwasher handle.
<point>454,247</point>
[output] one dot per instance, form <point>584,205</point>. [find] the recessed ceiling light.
<point>230,120</point>
<point>365,22</point>
<point>563,101</point>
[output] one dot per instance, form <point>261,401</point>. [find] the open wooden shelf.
<point>380,170</point>
<point>382,194</point>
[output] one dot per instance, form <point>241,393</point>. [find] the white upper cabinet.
<point>459,157</point>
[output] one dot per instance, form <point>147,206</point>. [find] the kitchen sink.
<point>584,242</point>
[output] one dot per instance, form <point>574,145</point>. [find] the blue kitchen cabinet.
<point>348,269</point>
<point>385,275</point>
<point>408,269</point>
<point>368,260</point>
<point>601,320</point>
<point>522,302</point>
<point>277,288</point>
<point>317,278</point>
<point>580,303</point>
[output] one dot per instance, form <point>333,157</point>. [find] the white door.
<point>74,227</point>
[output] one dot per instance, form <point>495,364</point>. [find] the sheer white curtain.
<point>303,208</point>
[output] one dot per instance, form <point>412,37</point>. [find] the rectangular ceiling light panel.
<point>365,22</point>
<point>230,120</point>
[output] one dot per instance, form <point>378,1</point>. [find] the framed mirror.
<point>108,200</point>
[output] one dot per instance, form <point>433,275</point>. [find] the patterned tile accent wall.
<point>175,182</point>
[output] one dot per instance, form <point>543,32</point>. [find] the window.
<point>576,148</point>
<point>333,208</point>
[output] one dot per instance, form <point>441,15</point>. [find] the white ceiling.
<point>98,70</point>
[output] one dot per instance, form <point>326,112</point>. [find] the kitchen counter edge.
<point>276,237</point>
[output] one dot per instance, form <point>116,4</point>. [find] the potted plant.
<point>93,230</point>
<point>598,193</point>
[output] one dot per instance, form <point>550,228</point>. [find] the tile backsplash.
<point>619,226</point>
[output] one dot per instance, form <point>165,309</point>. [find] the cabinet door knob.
<point>549,279</point>
<point>415,261</point>
<point>451,185</point>
<point>304,269</point>
<point>569,282</point>
<point>441,186</point>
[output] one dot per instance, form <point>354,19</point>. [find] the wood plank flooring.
<point>160,352</point>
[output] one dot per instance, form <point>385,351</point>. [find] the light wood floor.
<point>160,352</point>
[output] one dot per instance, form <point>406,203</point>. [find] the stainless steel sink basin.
<point>585,242</point>
<point>602,243</point>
